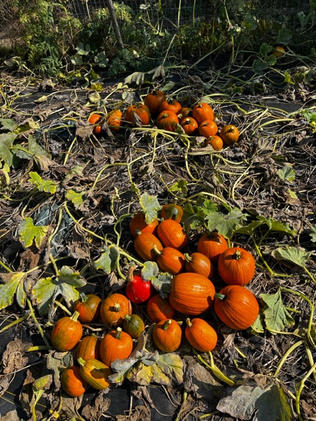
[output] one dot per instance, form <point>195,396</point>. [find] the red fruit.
<point>138,290</point>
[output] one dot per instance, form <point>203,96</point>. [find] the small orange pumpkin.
<point>95,373</point>
<point>208,128</point>
<point>88,348</point>
<point>200,335</point>
<point>170,260</point>
<point>212,245</point>
<point>171,234</point>
<point>167,335</point>
<point>172,211</point>
<point>66,333</point>
<point>159,309</point>
<point>72,382</point>
<point>167,120</point>
<point>115,345</point>
<point>199,263</point>
<point>138,223</point>
<point>114,308</point>
<point>88,307</point>
<point>202,112</point>
<point>216,142</point>
<point>114,119</point>
<point>147,246</point>
<point>138,114</point>
<point>236,266</point>
<point>189,125</point>
<point>229,134</point>
<point>153,101</point>
<point>170,105</point>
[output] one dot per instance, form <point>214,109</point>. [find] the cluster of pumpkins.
<point>168,114</point>
<point>192,294</point>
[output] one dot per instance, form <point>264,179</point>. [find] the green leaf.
<point>76,198</point>
<point>6,142</point>
<point>149,271</point>
<point>108,259</point>
<point>180,186</point>
<point>226,224</point>
<point>35,149</point>
<point>312,233</point>
<point>288,78</point>
<point>273,405</point>
<point>46,290</point>
<point>150,206</point>
<point>162,283</point>
<point>8,289</point>
<point>8,124</point>
<point>286,173</point>
<point>296,255</point>
<point>257,325</point>
<point>194,216</point>
<point>21,294</point>
<point>43,383</point>
<point>276,317</point>
<point>272,224</point>
<point>46,186</point>
<point>30,233</point>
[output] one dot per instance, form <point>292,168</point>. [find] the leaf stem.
<point>15,322</point>
<point>39,327</point>
<point>215,370</point>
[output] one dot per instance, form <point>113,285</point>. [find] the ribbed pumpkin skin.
<point>212,245</point>
<point>66,334</point>
<point>202,112</point>
<point>138,113</point>
<point>134,325</point>
<point>72,382</point>
<point>191,293</point>
<point>113,348</point>
<point>88,348</point>
<point>201,335</point>
<point>169,339</point>
<point>144,245</point>
<point>171,234</point>
<point>88,310</point>
<point>236,271</point>
<point>110,313</point>
<point>153,101</point>
<point>199,263</point>
<point>159,309</point>
<point>95,373</point>
<point>172,211</point>
<point>171,260</point>
<point>239,309</point>
<point>138,223</point>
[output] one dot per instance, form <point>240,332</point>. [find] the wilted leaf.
<point>150,206</point>
<point>286,173</point>
<point>226,224</point>
<point>46,186</point>
<point>94,97</point>
<point>241,403</point>
<point>56,361</point>
<point>76,198</point>
<point>67,275</point>
<point>276,316</point>
<point>273,405</point>
<point>107,261</point>
<point>41,99</point>
<point>136,77</point>
<point>8,289</point>
<point>296,255</point>
<point>257,325</point>
<point>6,142</point>
<point>13,358</point>
<point>149,271</point>
<point>30,233</point>
<point>43,383</point>
<point>8,124</point>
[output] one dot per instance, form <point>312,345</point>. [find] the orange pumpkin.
<point>172,211</point>
<point>236,306</point>
<point>114,119</point>
<point>88,348</point>
<point>200,335</point>
<point>236,266</point>
<point>212,245</point>
<point>88,307</point>
<point>147,246</point>
<point>170,260</point>
<point>153,101</point>
<point>138,223</point>
<point>216,142</point>
<point>167,335</point>
<point>138,114</point>
<point>208,128</point>
<point>66,333</point>
<point>202,112</point>
<point>185,112</point>
<point>167,120</point>
<point>72,382</point>
<point>170,105</point>
<point>95,373</point>
<point>171,234</point>
<point>189,125</point>
<point>191,293</point>
<point>115,345</point>
<point>159,309</point>
<point>229,134</point>
<point>199,263</point>
<point>114,309</point>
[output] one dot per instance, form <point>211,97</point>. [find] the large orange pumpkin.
<point>114,309</point>
<point>191,293</point>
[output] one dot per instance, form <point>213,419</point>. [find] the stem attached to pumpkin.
<point>166,324</point>
<point>187,257</point>
<point>118,333</point>
<point>220,296</point>
<point>188,322</point>
<point>81,362</point>
<point>236,255</point>
<point>83,297</point>
<point>75,316</point>
<point>156,251</point>
<point>116,308</point>
<point>128,317</point>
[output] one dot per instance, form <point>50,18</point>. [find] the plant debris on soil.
<point>67,197</point>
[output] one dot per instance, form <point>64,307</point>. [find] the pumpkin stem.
<point>236,255</point>
<point>156,251</point>
<point>188,322</point>
<point>128,317</point>
<point>138,232</point>
<point>220,296</point>
<point>116,307</point>
<point>75,316</point>
<point>188,258</point>
<point>83,297</point>
<point>166,324</point>
<point>81,362</point>
<point>118,333</point>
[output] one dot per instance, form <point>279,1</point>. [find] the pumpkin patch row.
<point>168,114</point>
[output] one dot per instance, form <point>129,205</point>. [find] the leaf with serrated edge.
<point>8,289</point>
<point>226,224</point>
<point>150,206</point>
<point>69,293</point>
<point>162,283</point>
<point>43,291</point>
<point>149,271</point>
<point>296,255</point>
<point>286,173</point>
<point>75,197</point>
<point>67,275</point>
<point>107,261</point>
<point>46,186</point>
<point>30,233</point>
<point>276,316</point>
